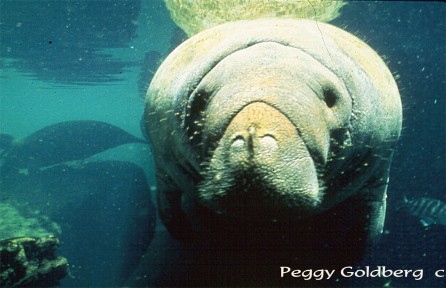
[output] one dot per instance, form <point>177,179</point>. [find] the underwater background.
<point>75,163</point>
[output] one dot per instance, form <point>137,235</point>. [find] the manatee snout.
<point>261,167</point>
<point>256,134</point>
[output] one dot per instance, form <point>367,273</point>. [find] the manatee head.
<point>263,122</point>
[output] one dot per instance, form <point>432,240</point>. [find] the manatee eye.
<point>330,96</point>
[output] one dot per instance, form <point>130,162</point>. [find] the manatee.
<point>279,125</point>
<point>64,141</point>
<point>102,208</point>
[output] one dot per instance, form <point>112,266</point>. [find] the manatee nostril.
<point>238,142</point>
<point>330,97</point>
<point>269,142</point>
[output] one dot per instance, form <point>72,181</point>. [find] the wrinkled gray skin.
<point>273,121</point>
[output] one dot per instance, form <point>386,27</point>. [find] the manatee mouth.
<point>261,168</point>
<point>250,195</point>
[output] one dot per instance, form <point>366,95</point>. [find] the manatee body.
<point>268,122</point>
<point>62,142</point>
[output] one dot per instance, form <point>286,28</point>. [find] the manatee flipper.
<point>368,210</point>
<point>170,211</point>
<point>374,200</point>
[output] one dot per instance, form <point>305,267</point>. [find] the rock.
<point>30,262</point>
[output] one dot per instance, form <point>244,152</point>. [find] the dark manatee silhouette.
<point>105,213</point>
<point>103,207</point>
<point>64,141</point>
<point>107,220</point>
